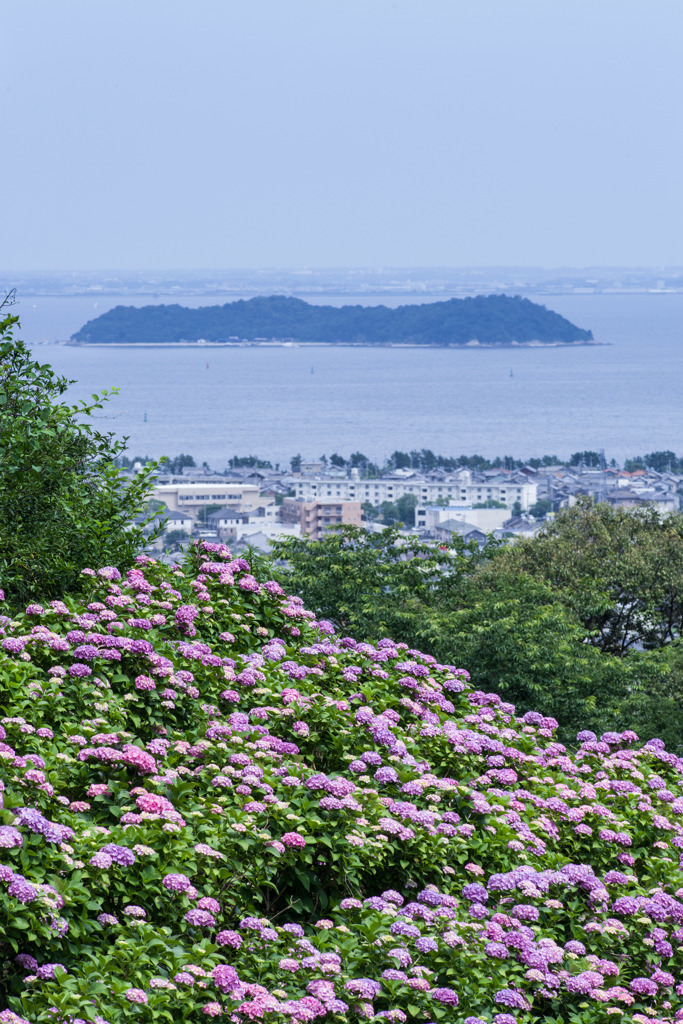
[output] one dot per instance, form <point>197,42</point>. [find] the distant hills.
<point>486,320</point>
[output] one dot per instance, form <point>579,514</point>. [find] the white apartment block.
<point>486,519</point>
<point>427,492</point>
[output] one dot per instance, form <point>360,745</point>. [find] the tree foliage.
<point>378,582</point>
<point>390,512</point>
<point>541,508</point>
<point>620,571</point>
<point>64,504</point>
<point>179,462</point>
<point>589,459</point>
<point>249,462</point>
<point>662,462</point>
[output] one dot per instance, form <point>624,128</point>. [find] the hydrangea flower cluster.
<point>249,779</point>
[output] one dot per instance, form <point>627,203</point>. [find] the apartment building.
<point>427,492</point>
<point>314,517</point>
<point>486,519</point>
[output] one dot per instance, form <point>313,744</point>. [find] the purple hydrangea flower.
<point>25,960</point>
<point>365,988</point>
<point>200,918</point>
<point>47,971</point>
<point>22,890</point>
<point>9,837</point>
<point>643,987</point>
<point>475,892</point>
<point>446,996</point>
<point>119,854</point>
<point>510,997</point>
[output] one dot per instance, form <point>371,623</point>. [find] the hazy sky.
<point>282,133</point>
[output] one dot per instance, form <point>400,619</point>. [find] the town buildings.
<point>315,517</point>
<point>263,504</point>
<point>193,496</point>
<point>454,488</point>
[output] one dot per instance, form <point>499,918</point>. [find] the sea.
<point>624,396</point>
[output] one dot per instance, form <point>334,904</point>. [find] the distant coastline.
<point>470,345</point>
<point>485,321</point>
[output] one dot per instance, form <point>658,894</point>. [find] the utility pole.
<point>602,495</point>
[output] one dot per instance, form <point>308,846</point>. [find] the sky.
<point>169,134</point>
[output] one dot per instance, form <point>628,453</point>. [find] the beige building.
<point>191,497</point>
<point>314,517</point>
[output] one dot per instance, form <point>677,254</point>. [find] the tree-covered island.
<point>487,320</point>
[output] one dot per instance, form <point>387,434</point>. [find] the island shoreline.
<point>469,346</point>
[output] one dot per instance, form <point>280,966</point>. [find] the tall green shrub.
<point>63,503</point>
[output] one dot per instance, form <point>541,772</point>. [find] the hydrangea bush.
<point>214,806</point>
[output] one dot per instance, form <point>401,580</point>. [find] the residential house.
<point>468,531</point>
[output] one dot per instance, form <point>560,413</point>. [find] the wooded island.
<point>486,320</point>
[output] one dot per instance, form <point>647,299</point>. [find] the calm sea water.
<point>625,397</point>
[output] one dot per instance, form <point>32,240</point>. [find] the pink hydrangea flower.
<point>225,978</point>
<point>144,683</point>
<point>136,995</point>
<point>294,840</point>
<point>210,904</point>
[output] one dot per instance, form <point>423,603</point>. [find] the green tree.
<point>365,467</point>
<point>516,636</point>
<point>399,460</point>
<point>178,463</point>
<point>546,460</point>
<point>490,503</point>
<point>661,462</point>
<point>589,459</point>
<point>541,508</point>
<point>375,582</point>
<point>619,570</point>
<point>295,463</point>
<point>64,504</point>
<point>405,509</point>
<point>249,462</point>
<point>427,460</point>
<point>389,513</point>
